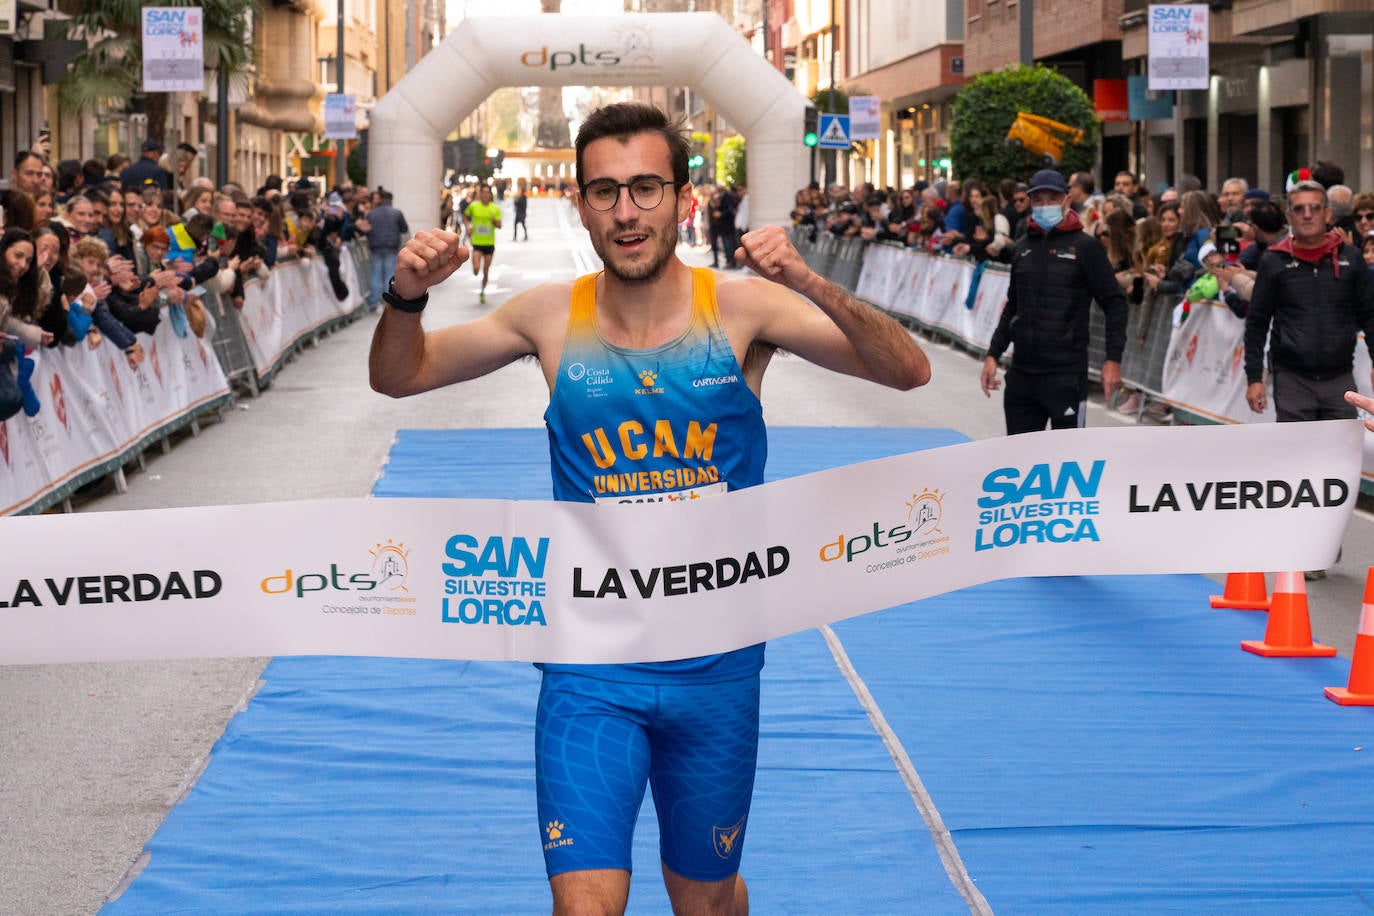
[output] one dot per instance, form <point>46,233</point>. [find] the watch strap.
<point>413,306</point>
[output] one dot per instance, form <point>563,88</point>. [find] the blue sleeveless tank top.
<point>674,422</point>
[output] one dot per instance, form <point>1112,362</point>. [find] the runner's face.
<point>635,245</point>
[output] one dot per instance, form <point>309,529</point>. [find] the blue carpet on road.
<point>1092,745</point>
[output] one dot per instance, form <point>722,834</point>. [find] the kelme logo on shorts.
<point>555,836</point>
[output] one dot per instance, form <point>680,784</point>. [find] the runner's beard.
<point>646,270</point>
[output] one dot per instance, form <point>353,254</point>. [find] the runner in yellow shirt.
<point>483,218</point>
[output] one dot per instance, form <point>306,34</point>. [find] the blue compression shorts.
<point>597,744</point>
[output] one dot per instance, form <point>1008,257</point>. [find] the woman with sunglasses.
<point>1363,212</point>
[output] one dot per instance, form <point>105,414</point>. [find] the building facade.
<point>1290,82</point>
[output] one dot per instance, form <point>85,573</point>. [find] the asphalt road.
<point>95,755</point>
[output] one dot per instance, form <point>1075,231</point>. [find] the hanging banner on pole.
<point>864,117</point>
<point>1178,56</point>
<point>340,116</point>
<point>173,49</point>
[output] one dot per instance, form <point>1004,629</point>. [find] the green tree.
<point>985,109</point>
<point>111,68</point>
<point>731,167</point>
<point>822,99</point>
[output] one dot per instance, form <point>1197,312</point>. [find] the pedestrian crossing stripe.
<point>834,131</point>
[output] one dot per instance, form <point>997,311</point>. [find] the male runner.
<point>635,357</point>
<point>483,218</point>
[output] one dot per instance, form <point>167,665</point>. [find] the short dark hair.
<point>1266,216</point>
<point>1084,181</point>
<point>24,154</point>
<point>623,120</point>
<point>200,226</point>
<point>1327,173</point>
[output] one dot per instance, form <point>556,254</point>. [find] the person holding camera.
<point>1236,276</point>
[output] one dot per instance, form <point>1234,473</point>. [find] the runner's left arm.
<point>841,333</point>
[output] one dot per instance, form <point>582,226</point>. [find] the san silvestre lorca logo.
<point>1060,503</point>
<point>500,581</point>
<point>374,584</point>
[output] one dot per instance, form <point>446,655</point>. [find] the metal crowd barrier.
<point>231,344</point>
<point>1149,327</point>
<point>1148,330</point>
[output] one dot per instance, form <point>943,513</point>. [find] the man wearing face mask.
<point>1057,271</point>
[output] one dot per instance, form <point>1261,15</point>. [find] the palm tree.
<point>110,70</point>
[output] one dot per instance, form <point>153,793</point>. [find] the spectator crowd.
<point>109,249</point>
<point>1185,241</point>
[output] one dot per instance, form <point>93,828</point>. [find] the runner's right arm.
<point>404,360</point>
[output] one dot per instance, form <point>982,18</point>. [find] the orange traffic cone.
<point>1360,691</point>
<point>1244,592</point>
<point>1289,634</point>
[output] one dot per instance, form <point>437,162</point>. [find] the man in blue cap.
<point>1057,271</point>
<point>146,172</point>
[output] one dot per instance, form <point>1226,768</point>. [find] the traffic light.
<point>811,123</point>
<point>696,162</point>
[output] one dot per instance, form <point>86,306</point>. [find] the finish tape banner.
<point>645,581</point>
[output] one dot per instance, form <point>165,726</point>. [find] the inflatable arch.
<point>409,123</point>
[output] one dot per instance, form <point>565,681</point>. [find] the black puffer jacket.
<point>1317,304</point>
<point>1055,277</point>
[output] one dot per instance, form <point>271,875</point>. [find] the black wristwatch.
<point>413,306</point>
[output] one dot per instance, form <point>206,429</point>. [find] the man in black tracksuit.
<point>1057,271</point>
<point>1317,294</point>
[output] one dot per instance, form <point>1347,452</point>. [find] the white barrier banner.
<point>93,408</point>
<point>571,582</point>
<point>292,302</point>
<point>934,291</point>
<point>1204,369</point>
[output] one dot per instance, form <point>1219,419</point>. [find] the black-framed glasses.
<point>1365,215</point>
<point>645,190</point>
